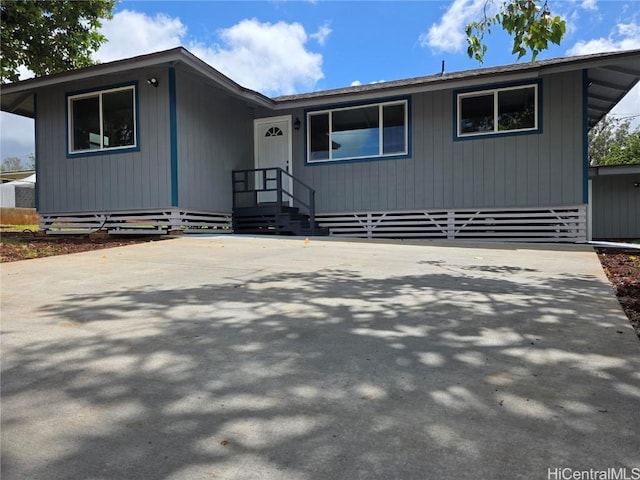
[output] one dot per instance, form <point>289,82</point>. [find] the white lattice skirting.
<point>548,224</point>
<point>138,222</point>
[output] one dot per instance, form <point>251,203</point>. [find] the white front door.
<point>272,140</point>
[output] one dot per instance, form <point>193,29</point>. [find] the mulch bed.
<point>623,271</point>
<point>16,246</point>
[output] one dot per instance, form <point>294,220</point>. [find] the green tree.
<point>529,22</point>
<point>49,36</point>
<point>11,164</point>
<point>16,164</point>
<point>612,142</point>
<point>30,163</point>
<point>626,153</point>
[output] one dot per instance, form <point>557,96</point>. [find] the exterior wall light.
<point>153,81</point>
<point>296,124</point>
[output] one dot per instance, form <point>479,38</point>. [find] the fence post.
<point>233,190</point>
<point>451,225</point>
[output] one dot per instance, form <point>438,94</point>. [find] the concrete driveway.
<point>244,358</point>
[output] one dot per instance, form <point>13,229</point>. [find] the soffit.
<point>607,85</point>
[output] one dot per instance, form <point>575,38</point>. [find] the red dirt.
<point>623,270</point>
<point>23,246</point>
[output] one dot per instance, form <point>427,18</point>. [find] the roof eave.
<point>454,80</point>
<point>167,57</point>
<point>326,98</point>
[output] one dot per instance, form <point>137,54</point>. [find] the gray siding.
<point>113,181</point>
<point>511,171</point>
<point>616,207</point>
<point>215,136</point>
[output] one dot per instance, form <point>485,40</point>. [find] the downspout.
<point>586,194</point>
<point>173,136</point>
<point>35,149</point>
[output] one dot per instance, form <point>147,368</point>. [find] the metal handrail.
<point>244,180</point>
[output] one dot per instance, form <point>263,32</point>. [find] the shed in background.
<point>615,202</point>
<point>19,193</point>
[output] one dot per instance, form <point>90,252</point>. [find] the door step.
<point>267,219</point>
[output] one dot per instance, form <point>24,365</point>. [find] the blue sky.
<point>281,47</point>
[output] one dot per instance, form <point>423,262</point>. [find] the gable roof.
<point>610,76</point>
<point>17,97</point>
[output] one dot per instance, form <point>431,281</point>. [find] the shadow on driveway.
<point>484,370</point>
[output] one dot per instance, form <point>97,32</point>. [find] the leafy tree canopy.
<point>613,142</point>
<point>529,22</point>
<point>626,154</point>
<point>49,36</point>
<point>16,164</point>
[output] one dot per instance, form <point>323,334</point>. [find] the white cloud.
<point>580,16</point>
<point>572,19</point>
<point>322,34</point>
<point>133,33</point>
<point>357,83</point>
<point>270,58</point>
<point>24,73</point>
<point>448,35</point>
<point>625,36</point>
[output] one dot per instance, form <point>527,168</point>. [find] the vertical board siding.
<point>616,207</point>
<point>215,137</point>
<point>423,186</point>
<point>503,171</point>
<point>110,181</point>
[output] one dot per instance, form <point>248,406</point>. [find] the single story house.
<point>165,142</point>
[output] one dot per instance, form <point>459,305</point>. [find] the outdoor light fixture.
<point>296,124</point>
<point>153,81</point>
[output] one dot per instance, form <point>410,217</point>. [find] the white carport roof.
<point>30,180</point>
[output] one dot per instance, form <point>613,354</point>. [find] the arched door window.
<point>274,132</point>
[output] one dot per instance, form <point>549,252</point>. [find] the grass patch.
<point>18,228</point>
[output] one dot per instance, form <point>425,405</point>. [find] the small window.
<point>369,131</point>
<point>502,110</point>
<point>274,132</point>
<point>102,120</point>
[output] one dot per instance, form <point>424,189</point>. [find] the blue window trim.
<point>338,106</point>
<point>173,136</point>
<point>37,156</point>
<point>585,136</point>
<point>494,86</point>
<point>108,151</point>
